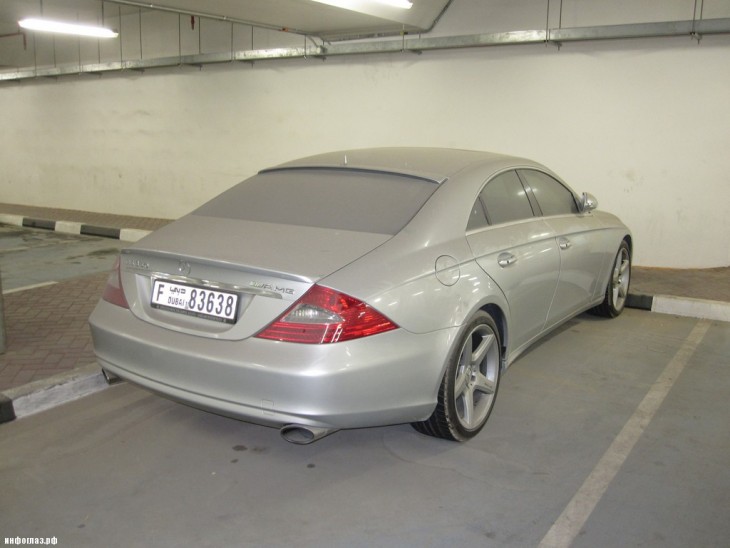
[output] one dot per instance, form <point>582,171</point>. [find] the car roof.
<point>433,164</point>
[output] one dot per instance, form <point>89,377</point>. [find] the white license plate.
<point>193,300</point>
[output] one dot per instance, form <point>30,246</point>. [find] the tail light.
<point>113,292</point>
<point>323,315</point>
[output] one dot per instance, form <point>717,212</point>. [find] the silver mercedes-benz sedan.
<point>360,288</point>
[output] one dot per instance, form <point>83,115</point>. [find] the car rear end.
<point>228,309</point>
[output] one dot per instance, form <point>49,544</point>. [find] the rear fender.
<point>425,304</point>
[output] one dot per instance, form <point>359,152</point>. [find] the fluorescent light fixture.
<point>355,4</point>
<point>47,25</point>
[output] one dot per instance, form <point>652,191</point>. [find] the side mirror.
<point>588,202</point>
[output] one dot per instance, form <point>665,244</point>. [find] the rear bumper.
<point>384,379</point>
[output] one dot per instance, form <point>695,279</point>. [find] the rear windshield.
<point>342,200</point>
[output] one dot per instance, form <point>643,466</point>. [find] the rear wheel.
<point>617,289</point>
<point>469,386</point>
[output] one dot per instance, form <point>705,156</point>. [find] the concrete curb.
<point>681,306</point>
<point>44,394</point>
<point>72,227</point>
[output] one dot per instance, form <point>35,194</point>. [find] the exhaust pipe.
<point>304,435</point>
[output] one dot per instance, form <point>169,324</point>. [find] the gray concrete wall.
<point>642,124</point>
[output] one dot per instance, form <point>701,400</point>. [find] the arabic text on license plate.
<point>203,302</point>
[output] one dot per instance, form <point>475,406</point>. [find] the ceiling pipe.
<point>204,15</point>
<point>238,21</point>
<point>693,29</point>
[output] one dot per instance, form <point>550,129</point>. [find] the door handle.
<point>506,259</point>
<point>564,243</point>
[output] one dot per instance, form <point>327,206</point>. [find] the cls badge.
<point>183,267</point>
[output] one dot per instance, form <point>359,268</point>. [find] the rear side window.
<point>505,199</point>
<point>502,200</point>
<point>552,196</point>
<point>378,203</point>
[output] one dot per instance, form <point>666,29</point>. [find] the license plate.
<point>193,300</point>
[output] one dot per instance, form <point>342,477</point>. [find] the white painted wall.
<point>642,124</point>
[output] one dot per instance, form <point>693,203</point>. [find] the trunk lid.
<point>265,267</point>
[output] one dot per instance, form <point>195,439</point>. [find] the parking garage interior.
<point>605,433</point>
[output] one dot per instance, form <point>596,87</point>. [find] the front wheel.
<point>469,386</point>
<point>617,289</point>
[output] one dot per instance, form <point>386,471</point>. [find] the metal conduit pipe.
<point>204,15</point>
<point>235,20</point>
<point>558,36</point>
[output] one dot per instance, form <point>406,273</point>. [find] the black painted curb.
<point>106,232</point>
<point>88,230</point>
<point>7,411</point>
<point>39,223</point>
<point>642,302</point>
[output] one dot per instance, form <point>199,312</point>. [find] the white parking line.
<point>14,249</point>
<point>571,521</point>
<point>34,286</point>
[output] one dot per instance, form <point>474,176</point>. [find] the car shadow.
<point>562,328</point>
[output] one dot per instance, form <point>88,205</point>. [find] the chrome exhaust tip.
<point>300,434</point>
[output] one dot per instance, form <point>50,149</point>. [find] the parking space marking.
<point>14,249</point>
<point>576,513</point>
<point>34,286</point>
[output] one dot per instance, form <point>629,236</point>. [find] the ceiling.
<point>302,16</point>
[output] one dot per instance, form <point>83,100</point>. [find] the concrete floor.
<point>623,422</point>
<point>30,256</point>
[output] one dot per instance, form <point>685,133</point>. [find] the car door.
<point>518,250</point>
<point>576,234</point>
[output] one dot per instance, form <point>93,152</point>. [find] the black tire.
<point>469,387</point>
<point>617,288</point>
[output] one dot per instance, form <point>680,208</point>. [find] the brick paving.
<point>47,330</point>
